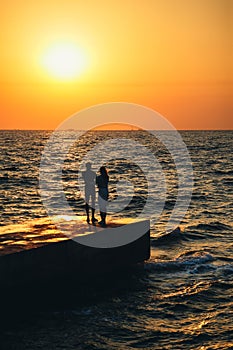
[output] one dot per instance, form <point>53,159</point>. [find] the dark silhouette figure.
<point>89,177</point>
<point>102,183</point>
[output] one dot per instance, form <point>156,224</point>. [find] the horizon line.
<point>138,129</point>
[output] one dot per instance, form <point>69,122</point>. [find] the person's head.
<point>103,171</point>
<point>88,165</point>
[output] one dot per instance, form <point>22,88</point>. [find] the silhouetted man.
<point>89,177</point>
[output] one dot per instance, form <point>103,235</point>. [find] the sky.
<point>58,57</point>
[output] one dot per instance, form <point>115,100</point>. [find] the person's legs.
<point>93,199</point>
<point>103,210</point>
<point>87,198</point>
<point>87,212</point>
<point>104,217</point>
<point>93,219</point>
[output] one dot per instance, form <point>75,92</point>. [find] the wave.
<point>191,232</point>
<point>186,291</point>
<point>212,226</point>
<point>170,238</point>
<point>187,261</point>
<point>224,172</point>
<point>198,197</point>
<point>227,182</point>
<point>169,204</point>
<point>225,270</point>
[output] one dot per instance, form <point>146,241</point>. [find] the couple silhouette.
<point>91,180</point>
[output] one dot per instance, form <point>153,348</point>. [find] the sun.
<point>64,61</point>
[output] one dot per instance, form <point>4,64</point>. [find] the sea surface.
<point>182,297</point>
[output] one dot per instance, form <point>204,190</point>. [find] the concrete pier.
<point>38,254</point>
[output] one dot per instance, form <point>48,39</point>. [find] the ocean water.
<point>182,297</point>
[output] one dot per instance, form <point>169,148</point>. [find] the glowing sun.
<point>64,61</point>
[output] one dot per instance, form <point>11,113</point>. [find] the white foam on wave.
<point>183,262</point>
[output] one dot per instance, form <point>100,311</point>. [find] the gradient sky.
<point>170,55</point>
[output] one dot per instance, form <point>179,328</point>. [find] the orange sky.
<point>170,55</point>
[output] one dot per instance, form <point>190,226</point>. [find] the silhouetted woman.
<point>102,183</point>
